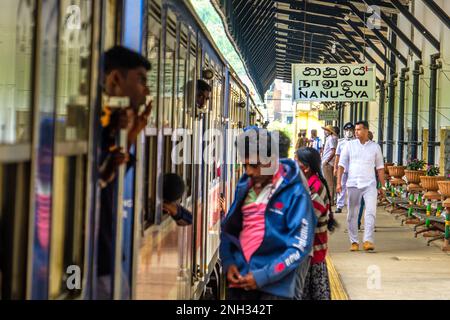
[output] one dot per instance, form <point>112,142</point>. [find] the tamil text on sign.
<point>334,82</point>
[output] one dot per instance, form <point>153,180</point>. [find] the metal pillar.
<point>366,111</point>
<point>381,114</point>
<point>415,109</point>
<point>361,111</point>
<point>435,65</point>
<point>391,103</point>
<point>401,116</point>
<point>390,120</point>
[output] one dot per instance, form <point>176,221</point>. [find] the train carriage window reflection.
<point>17,27</point>
<point>190,111</point>
<point>153,54</point>
<point>169,70</point>
<point>73,83</point>
<point>16,46</point>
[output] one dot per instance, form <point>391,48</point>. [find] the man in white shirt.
<point>360,156</point>
<point>349,135</point>
<point>329,152</point>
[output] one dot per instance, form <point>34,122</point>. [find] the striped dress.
<point>317,284</point>
<point>321,206</point>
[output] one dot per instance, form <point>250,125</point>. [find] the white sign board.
<point>334,82</point>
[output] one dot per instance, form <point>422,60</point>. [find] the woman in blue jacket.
<point>269,229</point>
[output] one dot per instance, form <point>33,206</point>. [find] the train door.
<point>65,94</point>
<point>17,25</point>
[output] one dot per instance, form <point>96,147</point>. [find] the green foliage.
<point>415,165</point>
<point>432,171</point>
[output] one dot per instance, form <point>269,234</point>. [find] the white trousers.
<point>341,196</point>
<point>355,195</point>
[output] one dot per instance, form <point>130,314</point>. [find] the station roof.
<point>271,35</point>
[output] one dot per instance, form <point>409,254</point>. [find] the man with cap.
<point>349,135</point>
<point>329,152</point>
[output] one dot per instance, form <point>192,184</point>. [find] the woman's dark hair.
<point>311,157</point>
<point>173,187</point>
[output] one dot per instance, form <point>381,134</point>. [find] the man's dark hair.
<point>173,187</point>
<point>365,124</point>
<point>203,86</point>
<point>337,130</point>
<point>284,145</point>
<point>123,58</point>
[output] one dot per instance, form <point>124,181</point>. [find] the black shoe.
<point>338,210</point>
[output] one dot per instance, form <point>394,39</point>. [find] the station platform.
<point>401,267</point>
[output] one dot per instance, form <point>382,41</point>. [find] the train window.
<point>70,164</point>
<point>153,48</point>
<point>181,98</point>
<point>169,69</point>
<point>190,104</point>
<point>16,46</point>
<point>17,26</point>
<point>153,53</point>
<point>111,24</point>
<point>181,82</point>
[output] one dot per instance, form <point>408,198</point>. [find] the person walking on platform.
<point>349,135</point>
<point>302,140</point>
<point>329,152</point>
<point>361,156</point>
<point>314,283</point>
<point>361,209</point>
<point>315,141</point>
<point>269,229</point>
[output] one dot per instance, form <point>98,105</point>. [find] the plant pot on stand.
<point>387,176</point>
<point>430,184</point>
<point>444,190</point>
<point>397,173</point>
<point>413,178</point>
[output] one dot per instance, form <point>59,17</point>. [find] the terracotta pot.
<point>386,167</point>
<point>444,190</point>
<point>397,171</point>
<point>431,185</point>
<point>413,176</point>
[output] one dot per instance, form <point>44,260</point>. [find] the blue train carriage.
<point>49,151</point>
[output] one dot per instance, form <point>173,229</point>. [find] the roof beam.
<point>372,45</point>
<point>397,31</point>
<point>358,47</point>
<point>417,24</point>
<point>379,35</point>
<point>438,11</point>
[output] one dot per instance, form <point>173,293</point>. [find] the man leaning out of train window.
<point>125,74</point>
<point>173,191</point>
<point>269,229</point>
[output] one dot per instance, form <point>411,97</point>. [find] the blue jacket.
<point>289,234</point>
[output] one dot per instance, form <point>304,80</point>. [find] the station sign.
<point>334,82</point>
<point>328,115</point>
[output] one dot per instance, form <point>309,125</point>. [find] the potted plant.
<point>430,183</point>
<point>397,173</point>
<point>413,173</point>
